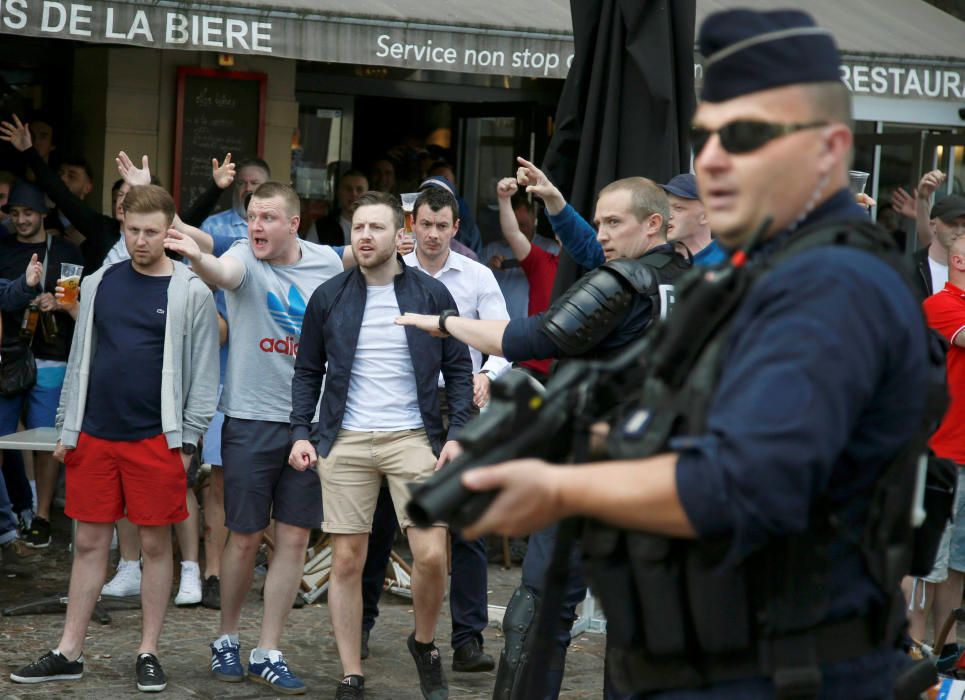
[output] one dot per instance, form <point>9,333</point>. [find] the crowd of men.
<point>378,349</point>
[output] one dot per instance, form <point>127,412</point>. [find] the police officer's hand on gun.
<point>528,500</point>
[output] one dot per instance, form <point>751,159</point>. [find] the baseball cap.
<point>948,208</point>
<point>683,186</point>
<point>23,194</point>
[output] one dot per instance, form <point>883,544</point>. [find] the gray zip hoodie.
<point>189,369</point>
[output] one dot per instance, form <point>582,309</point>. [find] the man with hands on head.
<point>379,417</point>
<point>139,392</point>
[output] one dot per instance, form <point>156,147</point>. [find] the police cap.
<point>746,51</point>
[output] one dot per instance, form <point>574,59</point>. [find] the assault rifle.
<point>524,420</point>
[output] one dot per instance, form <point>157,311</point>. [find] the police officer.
<point>602,313</point>
<point>748,552</point>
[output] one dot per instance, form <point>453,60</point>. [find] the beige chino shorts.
<point>352,475</point>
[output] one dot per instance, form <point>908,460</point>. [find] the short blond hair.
<point>646,198</point>
<point>147,199</point>
<point>272,188</point>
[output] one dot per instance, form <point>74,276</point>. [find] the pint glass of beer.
<point>70,281</point>
<point>408,202</point>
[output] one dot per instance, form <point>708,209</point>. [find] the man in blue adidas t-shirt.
<point>267,281</point>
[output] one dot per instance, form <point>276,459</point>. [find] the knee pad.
<point>518,622</point>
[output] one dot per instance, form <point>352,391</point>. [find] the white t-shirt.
<point>266,311</point>
<point>382,394</point>
<point>939,275</point>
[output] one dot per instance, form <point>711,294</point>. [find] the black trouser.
<point>539,554</point>
<point>18,486</point>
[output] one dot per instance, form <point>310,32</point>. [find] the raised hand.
<point>183,245</point>
<point>930,182</point>
<point>506,187</point>
<point>223,174</point>
<point>132,174</point>
<point>34,270</point>
<point>536,182</point>
<point>904,203</point>
<point>16,134</point>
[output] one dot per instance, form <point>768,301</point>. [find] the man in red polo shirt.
<point>945,312</point>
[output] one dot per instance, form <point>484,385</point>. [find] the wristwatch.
<point>444,316</point>
<point>188,449</point>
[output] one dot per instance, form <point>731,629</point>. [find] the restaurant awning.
<point>503,37</point>
<point>902,40</point>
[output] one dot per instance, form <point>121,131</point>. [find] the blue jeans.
<point>8,521</point>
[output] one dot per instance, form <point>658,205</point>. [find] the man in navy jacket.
<point>379,417</point>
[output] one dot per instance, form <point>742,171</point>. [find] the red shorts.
<point>143,479</point>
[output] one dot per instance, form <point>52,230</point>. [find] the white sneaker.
<point>189,591</point>
<point>126,582</point>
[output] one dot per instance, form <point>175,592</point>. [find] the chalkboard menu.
<point>219,112</point>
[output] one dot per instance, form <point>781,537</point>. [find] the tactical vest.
<point>598,302</point>
<point>675,617</point>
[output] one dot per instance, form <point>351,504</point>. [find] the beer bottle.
<point>29,324</point>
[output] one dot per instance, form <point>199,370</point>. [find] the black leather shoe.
<point>470,658</point>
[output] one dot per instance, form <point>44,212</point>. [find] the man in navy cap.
<point>749,537</point>
<point>688,223</point>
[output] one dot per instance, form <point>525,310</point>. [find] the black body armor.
<point>597,303</point>
<point>676,618</point>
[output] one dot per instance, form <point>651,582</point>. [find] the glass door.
<point>488,137</point>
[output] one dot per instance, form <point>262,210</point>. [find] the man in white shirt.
<point>477,295</point>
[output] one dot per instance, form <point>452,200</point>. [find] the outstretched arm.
<point>486,336</point>
<point>225,272</point>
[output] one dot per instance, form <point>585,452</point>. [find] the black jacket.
<point>330,335</point>
<point>923,283</point>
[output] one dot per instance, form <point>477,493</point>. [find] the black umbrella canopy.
<point>627,102</point>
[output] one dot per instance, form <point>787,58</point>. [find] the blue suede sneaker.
<point>274,673</point>
<point>226,661</point>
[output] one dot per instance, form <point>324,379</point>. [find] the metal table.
<point>45,440</point>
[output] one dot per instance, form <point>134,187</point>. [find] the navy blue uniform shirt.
<point>822,383</point>
<point>124,395</point>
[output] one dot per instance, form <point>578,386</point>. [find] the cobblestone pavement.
<point>308,645</point>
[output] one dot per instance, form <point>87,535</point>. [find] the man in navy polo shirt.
<point>139,392</point>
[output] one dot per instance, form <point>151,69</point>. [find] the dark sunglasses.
<point>745,135</point>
